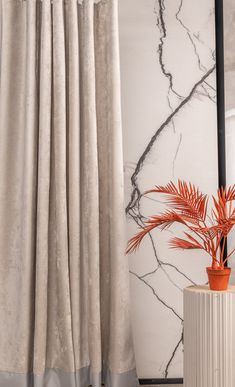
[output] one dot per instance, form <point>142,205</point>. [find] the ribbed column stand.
<point>209,340</point>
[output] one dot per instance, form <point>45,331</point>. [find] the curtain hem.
<point>83,377</point>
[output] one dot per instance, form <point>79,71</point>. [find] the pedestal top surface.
<point>205,289</point>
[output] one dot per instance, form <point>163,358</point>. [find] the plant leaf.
<point>162,221</point>
<point>194,240</point>
<point>230,193</point>
<point>134,242</point>
<point>179,243</point>
<point>185,198</point>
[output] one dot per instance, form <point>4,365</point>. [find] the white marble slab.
<point>229,53</point>
<point>169,124</point>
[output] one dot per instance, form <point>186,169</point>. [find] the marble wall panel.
<point>169,126</point>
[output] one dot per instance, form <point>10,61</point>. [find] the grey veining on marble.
<point>169,121</point>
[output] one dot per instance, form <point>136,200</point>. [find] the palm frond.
<point>134,242</point>
<point>212,231</point>
<point>179,243</point>
<point>189,206</point>
<point>219,210</point>
<point>185,198</point>
<point>166,219</point>
<point>162,221</point>
<point>194,240</point>
<point>223,212</point>
<point>229,193</point>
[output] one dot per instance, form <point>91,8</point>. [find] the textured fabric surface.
<point>64,296</point>
<point>58,378</point>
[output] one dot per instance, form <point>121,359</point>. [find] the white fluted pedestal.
<point>209,337</point>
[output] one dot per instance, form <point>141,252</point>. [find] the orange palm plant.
<point>205,229</point>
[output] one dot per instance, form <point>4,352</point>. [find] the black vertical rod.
<point>219,36</point>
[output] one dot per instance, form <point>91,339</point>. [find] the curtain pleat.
<point>64,290</point>
<point>115,295</point>
<point>90,186</point>
<point>73,172</point>
<point>43,176</point>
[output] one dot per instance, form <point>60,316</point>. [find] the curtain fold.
<point>64,290</point>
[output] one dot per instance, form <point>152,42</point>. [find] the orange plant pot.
<point>218,278</point>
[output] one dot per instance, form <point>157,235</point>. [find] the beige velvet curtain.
<point>64,301</point>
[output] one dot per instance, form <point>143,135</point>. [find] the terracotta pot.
<point>218,279</point>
